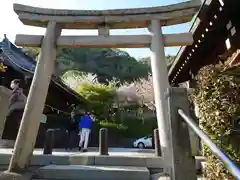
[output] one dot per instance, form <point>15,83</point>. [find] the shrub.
<point>136,128</point>
<point>217,96</point>
<point>131,128</point>
<point>113,125</point>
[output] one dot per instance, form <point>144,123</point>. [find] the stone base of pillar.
<point>10,176</point>
<point>167,160</point>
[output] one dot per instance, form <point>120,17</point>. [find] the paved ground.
<point>93,151</point>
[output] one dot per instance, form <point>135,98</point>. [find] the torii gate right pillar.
<point>160,85</point>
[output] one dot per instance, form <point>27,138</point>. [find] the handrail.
<point>230,165</point>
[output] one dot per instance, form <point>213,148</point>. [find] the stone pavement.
<point>93,151</point>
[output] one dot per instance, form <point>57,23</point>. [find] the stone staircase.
<point>100,168</point>
<point>87,172</point>
<point>83,172</point>
<point>91,166</point>
<point>104,168</point>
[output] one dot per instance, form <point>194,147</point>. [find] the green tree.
<point>105,63</point>
<point>147,60</point>
<point>100,97</point>
<point>32,52</point>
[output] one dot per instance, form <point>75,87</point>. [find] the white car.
<point>144,142</point>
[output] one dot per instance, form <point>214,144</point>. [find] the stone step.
<point>162,176</point>
<point>83,172</point>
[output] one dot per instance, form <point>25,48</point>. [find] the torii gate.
<point>55,20</point>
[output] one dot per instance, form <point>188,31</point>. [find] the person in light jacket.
<point>18,99</point>
<point>85,127</point>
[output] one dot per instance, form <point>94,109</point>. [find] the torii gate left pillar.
<point>101,20</point>
<point>28,130</point>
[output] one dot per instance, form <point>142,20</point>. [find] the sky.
<point>11,25</point>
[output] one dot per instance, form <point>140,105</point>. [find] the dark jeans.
<point>70,143</point>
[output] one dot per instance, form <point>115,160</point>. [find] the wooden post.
<point>28,130</point>
<point>157,146</point>
<point>160,85</point>
<point>49,142</point>
<point>183,163</point>
<point>103,141</point>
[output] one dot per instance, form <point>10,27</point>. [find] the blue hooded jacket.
<point>85,122</point>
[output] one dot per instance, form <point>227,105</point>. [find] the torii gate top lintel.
<point>104,20</point>
<point>115,18</point>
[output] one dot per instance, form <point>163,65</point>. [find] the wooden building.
<point>216,35</point>
<point>19,65</point>
<point>59,100</point>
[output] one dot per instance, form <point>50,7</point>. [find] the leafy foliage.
<point>218,100</point>
<point>100,97</point>
<point>102,105</point>
<point>128,128</point>
<point>105,63</point>
<point>169,60</point>
<point>32,52</point>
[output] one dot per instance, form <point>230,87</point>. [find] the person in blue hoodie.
<point>85,127</point>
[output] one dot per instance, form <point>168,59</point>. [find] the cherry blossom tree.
<point>144,90</point>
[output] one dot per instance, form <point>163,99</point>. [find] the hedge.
<point>133,128</point>
<point>130,128</point>
<point>217,97</point>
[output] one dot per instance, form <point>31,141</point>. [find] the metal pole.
<point>103,141</point>
<point>230,165</point>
